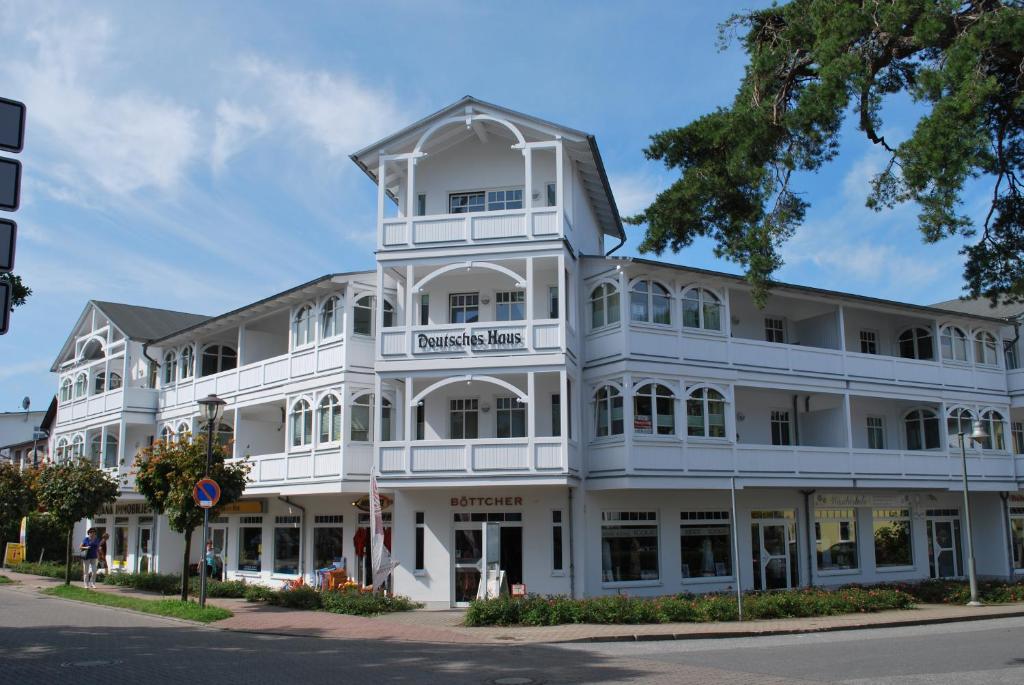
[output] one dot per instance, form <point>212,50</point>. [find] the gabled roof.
<point>580,146</point>
<point>983,307</point>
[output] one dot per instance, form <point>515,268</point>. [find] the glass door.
<point>144,549</point>
<point>773,550</point>
<point>219,535</point>
<point>468,562</point>
<point>945,558</point>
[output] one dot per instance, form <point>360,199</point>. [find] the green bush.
<point>303,597</point>
<point>164,583</point>
<point>49,569</point>
<point>538,610</point>
<point>259,593</point>
<point>231,589</point>
<point>942,591</point>
<point>363,604</point>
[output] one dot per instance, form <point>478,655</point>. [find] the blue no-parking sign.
<point>206,493</point>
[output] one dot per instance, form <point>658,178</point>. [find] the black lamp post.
<point>212,407</point>
<point>978,434</point>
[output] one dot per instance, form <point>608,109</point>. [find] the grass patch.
<point>4,580</point>
<point>161,607</point>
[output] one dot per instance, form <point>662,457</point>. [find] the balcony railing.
<point>489,337</point>
<point>476,457</point>
<point>422,231</point>
<point>84,408</point>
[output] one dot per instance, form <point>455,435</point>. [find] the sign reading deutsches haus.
<point>492,339</point>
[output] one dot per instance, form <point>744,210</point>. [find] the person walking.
<point>101,565</point>
<point>90,549</point>
<point>213,562</point>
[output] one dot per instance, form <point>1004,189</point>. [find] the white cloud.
<point>635,191</point>
<point>236,126</point>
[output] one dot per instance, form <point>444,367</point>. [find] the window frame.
<point>511,297</point>
<point>995,422</point>
<point>557,542</point>
<point>601,302</point>
<point>702,303</point>
<point>511,406</point>
<point>300,416</point>
<point>643,290</point>
<point>611,396</point>
<point>775,327</point>
<point>330,404</point>
<point>698,519</point>
<point>368,404</point>
<point>957,338</point>
<point>303,326</point>
<point>625,519</point>
<point>986,352</point>
<point>777,419</point>
<point>885,514</point>
<point>841,515</point>
<point>880,428</point>
<point>917,336</point>
<point>650,391</point>
<point>186,362</point>
<point>922,432</point>
<point>464,406</point>
<point>331,325</point>
<point>287,523</point>
<point>705,402</point>
<point>219,358</point>
<point>170,374</point>
<point>869,341</point>
<point>461,302</point>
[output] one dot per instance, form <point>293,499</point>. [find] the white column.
<point>381,170</point>
<point>627,421</point>
<point>410,188</point>
<point>849,420</point>
<point>410,411</point>
<point>559,185</point>
<point>103,445</point>
<point>842,328</point>
<point>531,419</point>
<point>529,303</point>
<point>412,312</point>
<point>528,183</point>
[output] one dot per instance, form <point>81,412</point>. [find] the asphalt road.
<point>48,640</point>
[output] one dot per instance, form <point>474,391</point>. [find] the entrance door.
<point>219,535</point>
<point>468,560</point>
<point>945,558</point>
<point>144,549</point>
<point>773,549</point>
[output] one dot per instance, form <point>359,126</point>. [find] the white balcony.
<point>540,223</point>
<point>483,457</point>
<point>86,408</point>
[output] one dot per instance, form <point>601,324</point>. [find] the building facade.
<point>587,424</point>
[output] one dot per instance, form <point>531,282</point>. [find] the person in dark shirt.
<point>90,548</point>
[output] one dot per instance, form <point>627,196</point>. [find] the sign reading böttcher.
<point>206,493</point>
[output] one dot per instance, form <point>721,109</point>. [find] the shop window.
<point>1017,536</point>
<point>609,414</point>
<point>464,307</point>
<point>774,329</point>
<point>893,538</point>
<point>187,363</point>
<point>329,419</point>
<point>650,302</point>
<point>993,422</point>
<point>705,542</point>
<point>217,358</point>
<point>463,419</point>
<point>250,544</point>
<point>287,544</point>
<point>702,309</point>
<point>916,343</point>
<point>604,305</point>
<point>868,342</point>
<point>328,540</point>
<point>629,546</point>
<point>330,317</point>
<point>557,554</point>
<point>985,348</point>
<point>361,419</point>
<point>301,423</point>
<point>510,305</point>
<point>421,531</point>
<point>876,432</point>
<point>119,554</point>
<point>654,410</point>
<point>705,413</point>
<point>782,427</point>
<point>835,533</point>
<point>922,429</point>
<point>510,417</point>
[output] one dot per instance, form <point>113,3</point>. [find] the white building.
<point>583,417</point>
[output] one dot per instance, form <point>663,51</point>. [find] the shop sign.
<point>848,499</point>
<point>249,506</point>
<point>363,503</point>
<point>642,424</point>
<point>464,501</point>
<point>125,508</point>
<point>492,339</point>
<point>14,553</point>
<point>518,589</point>
<point>1016,497</point>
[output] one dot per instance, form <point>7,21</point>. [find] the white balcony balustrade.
<point>473,457</point>
<point>541,223</point>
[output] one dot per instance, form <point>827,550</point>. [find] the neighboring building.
<point>32,452</point>
<point>17,427</point>
<point>581,418</point>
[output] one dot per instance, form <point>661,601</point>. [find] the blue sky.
<point>194,156</point>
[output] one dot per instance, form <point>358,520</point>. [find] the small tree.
<point>71,491</point>
<point>167,472</point>
<point>17,498</point>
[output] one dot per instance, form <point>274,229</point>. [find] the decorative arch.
<point>935,412</point>
<point>466,119</point>
<point>93,339</point>
<point>724,391</point>
<point>468,265</point>
<point>468,378</point>
<point>673,386</point>
<point>650,279</point>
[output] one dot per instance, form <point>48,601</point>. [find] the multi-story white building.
<point>583,421</point>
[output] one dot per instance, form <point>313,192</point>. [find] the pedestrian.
<point>101,566</point>
<point>213,561</point>
<point>90,549</point>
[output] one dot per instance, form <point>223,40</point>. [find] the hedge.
<point>49,569</point>
<point>940,591</point>
<point>537,610</point>
<point>341,601</point>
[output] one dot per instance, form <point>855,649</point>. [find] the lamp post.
<point>212,407</point>
<point>977,435</point>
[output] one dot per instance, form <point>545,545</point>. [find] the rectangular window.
<point>421,530</point>
<point>421,204</point>
<point>568,407</point>
<point>553,302</point>
<point>1012,356</point>
<point>556,416</point>
<point>1017,436</point>
<point>504,199</point>
<point>835,531</point>
<point>510,306</point>
<point>552,195</point>
<point>511,417</point>
<point>464,307</point>
<point>774,330</point>
<point>782,427</point>
<point>287,540</point>
<point>629,546</point>
<point>876,433</point>
<point>250,544</point>
<point>893,535</point>
<point>705,544</point>
<point>557,563</point>
<point>868,342</point>
<point>328,540</point>
<point>421,421</point>
<point>462,419</point>
<point>425,309</point>
<point>1017,536</point>
<point>462,203</point>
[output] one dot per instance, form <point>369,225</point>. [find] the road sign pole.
<point>202,559</point>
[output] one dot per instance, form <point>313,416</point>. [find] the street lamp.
<point>212,407</point>
<point>978,434</point>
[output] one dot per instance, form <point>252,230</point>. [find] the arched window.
<point>916,343</point>
<point>81,384</point>
<point>65,390</point>
<point>223,433</point>
<point>108,454</point>
<point>63,451</point>
<point>77,447</point>
<point>303,332</point>
<point>217,358</point>
<point>954,344</point>
<point>361,419</point>
<point>184,431</point>
<point>958,421</point>
<point>650,302</point>
<point>654,410</point>
<point>608,417</point>
<point>167,434</point>
<point>187,362</point>
<point>330,317</point>
<point>170,367</point>
<point>922,429</point>
<point>604,305</point>
<point>115,381</point>
<point>705,413</point>
<point>985,348</point>
<point>94,449</point>
<point>363,315</point>
<point>301,423</point>
<point>329,419</point>
<point>702,309</point>
<point>993,422</point>
<point>99,383</point>
<point>93,349</point>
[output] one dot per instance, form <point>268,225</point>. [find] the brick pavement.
<point>444,626</point>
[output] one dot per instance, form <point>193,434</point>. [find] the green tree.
<point>71,491</point>
<point>167,472</point>
<point>20,291</point>
<point>17,499</point>
<point>812,63</point>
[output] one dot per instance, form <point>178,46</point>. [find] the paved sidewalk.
<point>445,626</point>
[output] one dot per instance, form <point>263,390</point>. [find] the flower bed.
<point>959,591</point>
<point>538,610</point>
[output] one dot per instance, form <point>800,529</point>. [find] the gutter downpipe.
<point>145,354</point>
<point>810,532</point>
<point>736,550</point>
<point>303,510</point>
<point>572,551</point>
<point>1005,496</point>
